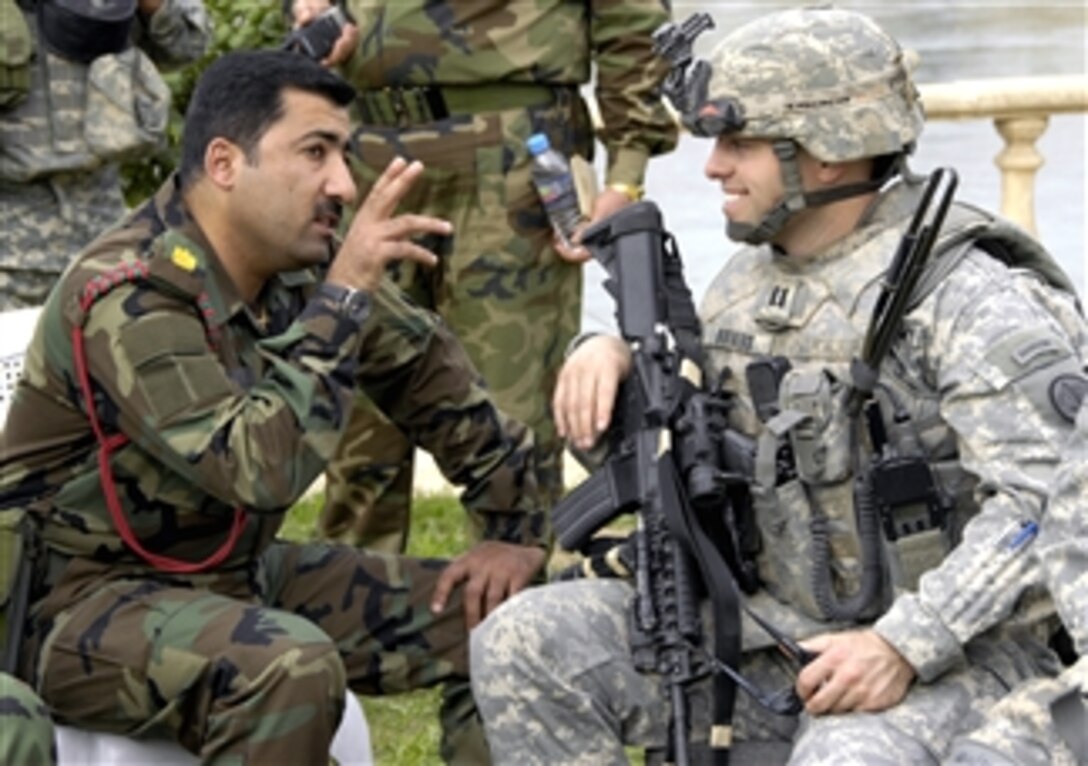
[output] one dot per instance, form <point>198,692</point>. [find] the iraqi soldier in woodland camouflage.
<point>1045,721</point>
<point>461,86</point>
<point>918,618</point>
<point>95,98</point>
<point>187,382</point>
<point>26,730</point>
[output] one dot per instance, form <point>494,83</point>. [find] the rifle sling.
<point>725,599</point>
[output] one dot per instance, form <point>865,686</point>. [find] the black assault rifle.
<point>669,460</point>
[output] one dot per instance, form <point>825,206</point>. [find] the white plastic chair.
<point>76,747</point>
<point>351,744</point>
<point>16,330</point>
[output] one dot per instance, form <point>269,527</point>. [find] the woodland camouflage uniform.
<point>26,731</point>
<point>228,406</point>
<point>58,190</point>
<point>461,86</point>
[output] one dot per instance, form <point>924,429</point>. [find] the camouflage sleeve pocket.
<point>1043,369</point>
<point>172,367</point>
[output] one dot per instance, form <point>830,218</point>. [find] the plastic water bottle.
<point>555,185</point>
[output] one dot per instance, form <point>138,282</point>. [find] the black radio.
<point>316,39</point>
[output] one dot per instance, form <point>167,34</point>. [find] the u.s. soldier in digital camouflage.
<point>919,630</point>
<point>1044,722</point>
<point>61,146</point>
<point>26,730</point>
<point>461,85</point>
<point>217,364</point>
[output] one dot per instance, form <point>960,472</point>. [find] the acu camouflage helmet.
<point>829,79</point>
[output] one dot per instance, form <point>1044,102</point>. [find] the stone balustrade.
<point>1020,108</point>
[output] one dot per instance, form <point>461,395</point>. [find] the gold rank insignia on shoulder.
<point>183,258</point>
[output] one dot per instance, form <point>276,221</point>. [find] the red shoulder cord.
<point>95,289</point>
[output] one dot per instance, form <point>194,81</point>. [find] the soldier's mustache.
<point>330,212</point>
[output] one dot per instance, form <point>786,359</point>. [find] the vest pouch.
<point>783,517</point>
<point>16,50</point>
<point>821,440</point>
<point>128,106</point>
<point>908,558</point>
<point>914,517</point>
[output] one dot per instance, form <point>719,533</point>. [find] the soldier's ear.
<point>222,159</point>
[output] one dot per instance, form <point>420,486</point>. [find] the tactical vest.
<point>815,315</point>
<point>78,116</point>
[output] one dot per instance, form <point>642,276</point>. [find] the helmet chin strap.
<point>796,198</point>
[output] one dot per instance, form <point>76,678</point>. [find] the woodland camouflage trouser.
<point>499,285</point>
<point>254,672</point>
<point>26,731</point>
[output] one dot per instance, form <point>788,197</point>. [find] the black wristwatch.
<point>347,301</point>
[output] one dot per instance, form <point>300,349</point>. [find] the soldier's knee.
<point>573,627</point>
<point>503,637</point>
<point>301,664</point>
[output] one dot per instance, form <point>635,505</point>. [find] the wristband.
<point>346,301</point>
<point>633,192</point>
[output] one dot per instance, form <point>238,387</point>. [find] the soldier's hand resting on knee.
<point>492,572</point>
<point>856,671</point>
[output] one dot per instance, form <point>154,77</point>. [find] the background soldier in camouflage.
<point>813,113</point>
<point>461,86</point>
<point>26,731</point>
<point>222,368</point>
<point>1045,721</point>
<point>60,147</point>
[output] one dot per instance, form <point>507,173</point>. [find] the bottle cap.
<point>537,144</point>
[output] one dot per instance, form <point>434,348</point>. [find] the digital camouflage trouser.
<point>555,683</point>
<point>499,285</point>
<point>254,672</point>
<point>26,731</point>
<point>46,224</point>
<point>1037,724</point>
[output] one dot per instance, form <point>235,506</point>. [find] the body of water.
<point>955,40</point>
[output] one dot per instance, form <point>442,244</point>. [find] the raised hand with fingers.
<point>377,236</point>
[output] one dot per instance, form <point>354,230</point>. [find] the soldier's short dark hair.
<point>241,94</point>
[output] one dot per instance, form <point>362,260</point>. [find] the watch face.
<point>356,304</point>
